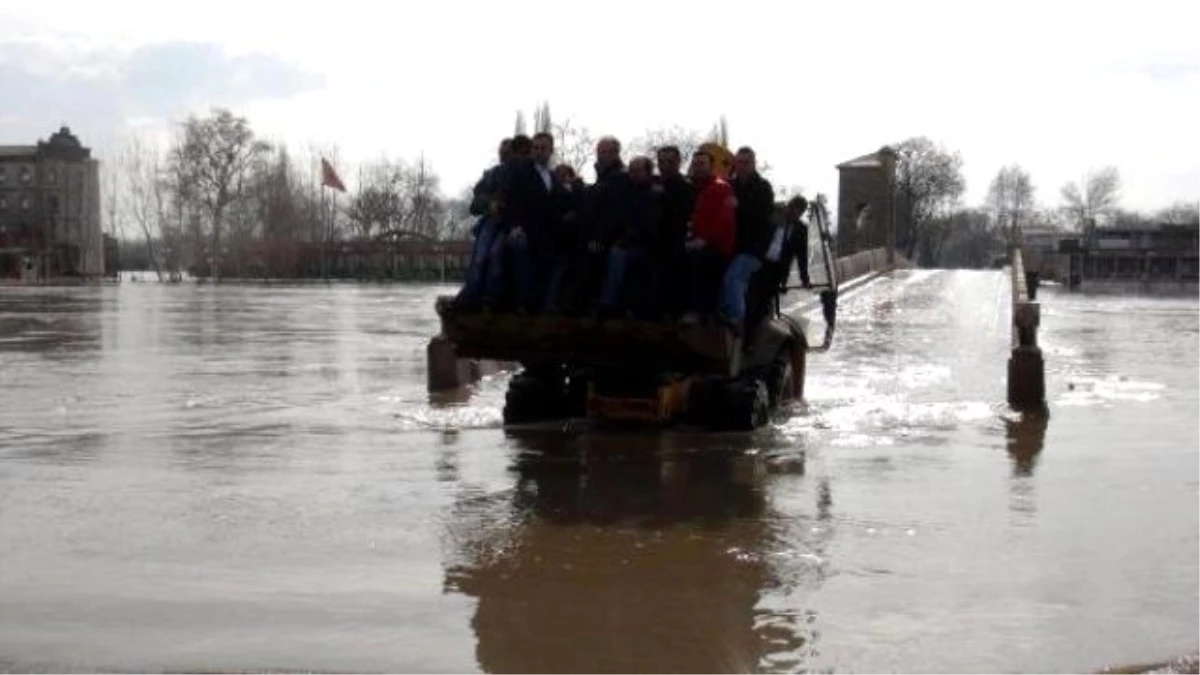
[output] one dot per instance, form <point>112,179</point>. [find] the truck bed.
<point>576,341</point>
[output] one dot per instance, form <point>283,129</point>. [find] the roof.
<point>870,161</point>
<point>17,150</point>
<point>873,160</point>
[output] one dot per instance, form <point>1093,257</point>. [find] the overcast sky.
<point>1060,88</point>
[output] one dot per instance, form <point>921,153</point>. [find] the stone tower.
<point>866,203</point>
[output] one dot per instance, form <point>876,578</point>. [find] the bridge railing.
<point>1026,368</point>
<point>861,263</point>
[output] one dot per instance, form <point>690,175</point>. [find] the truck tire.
<point>534,398</point>
<point>785,376</point>
<point>747,406</point>
<point>779,376</point>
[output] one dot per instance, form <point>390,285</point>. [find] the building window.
<point>3,175</point>
<point>25,203</point>
<point>3,202</point>
<point>25,176</point>
<point>52,205</point>
<point>52,176</point>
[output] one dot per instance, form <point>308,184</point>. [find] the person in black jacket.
<point>530,203</point>
<point>670,260</point>
<point>601,220</point>
<point>566,237</point>
<point>755,205</point>
<point>486,227</point>
<point>789,242</point>
<point>634,240</point>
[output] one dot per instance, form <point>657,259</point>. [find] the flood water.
<point>250,478</point>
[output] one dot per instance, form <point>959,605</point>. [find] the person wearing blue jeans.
<point>485,264</point>
<point>754,214</point>
<point>482,261</point>
<point>635,238</point>
<point>620,261</point>
<point>733,289</point>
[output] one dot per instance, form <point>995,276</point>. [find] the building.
<point>866,208</point>
<point>1161,256</point>
<point>1039,253</point>
<point>50,211</point>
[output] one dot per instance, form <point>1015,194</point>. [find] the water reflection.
<point>1026,435</point>
<point>621,553</point>
<point>51,323</point>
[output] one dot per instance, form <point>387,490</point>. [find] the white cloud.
<point>1060,88</point>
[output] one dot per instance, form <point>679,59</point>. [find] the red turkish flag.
<point>329,177</point>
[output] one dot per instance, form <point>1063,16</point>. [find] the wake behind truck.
<point>625,370</point>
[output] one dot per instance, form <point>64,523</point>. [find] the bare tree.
<point>112,172</point>
<point>458,220</point>
<point>395,200</point>
<point>929,182</point>
<point>182,237</point>
<point>425,207</point>
<point>541,118</point>
<point>1180,213</point>
<point>573,145</point>
<point>144,199</point>
<point>720,132</point>
<point>1096,195</point>
<point>1010,198</point>
<point>687,140</point>
<point>216,154</point>
<point>972,239</point>
<point>378,205</point>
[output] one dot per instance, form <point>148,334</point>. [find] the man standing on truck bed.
<point>486,228</point>
<point>530,210</point>
<point>677,201</point>
<point>755,206</point>
<point>602,213</point>
<point>634,243</point>
<point>712,237</point>
<point>789,241</point>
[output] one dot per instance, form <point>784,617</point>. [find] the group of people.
<point>643,240</point>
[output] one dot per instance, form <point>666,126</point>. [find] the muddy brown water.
<point>253,478</point>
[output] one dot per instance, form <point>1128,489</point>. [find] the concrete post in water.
<point>445,370</point>
<point>1026,368</point>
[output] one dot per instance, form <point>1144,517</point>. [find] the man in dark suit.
<point>530,208</point>
<point>486,228</point>
<point>634,243</point>
<point>670,260</point>
<point>604,204</point>
<point>789,241</point>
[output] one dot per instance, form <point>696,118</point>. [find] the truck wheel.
<point>785,377</point>
<point>534,398</point>
<point>779,377</point>
<point>577,396</point>
<point>748,406</point>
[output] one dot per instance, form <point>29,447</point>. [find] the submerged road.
<point>249,478</point>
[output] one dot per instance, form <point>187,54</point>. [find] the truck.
<point>652,372</point>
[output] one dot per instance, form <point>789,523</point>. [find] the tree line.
<point>934,228</point>
<point>220,201</point>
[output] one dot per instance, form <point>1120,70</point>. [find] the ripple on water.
<point>1083,390</point>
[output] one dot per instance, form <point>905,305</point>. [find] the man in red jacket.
<point>712,236</point>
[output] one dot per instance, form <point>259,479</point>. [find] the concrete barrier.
<point>1026,367</point>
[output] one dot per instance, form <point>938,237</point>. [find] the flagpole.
<point>324,274</point>
<point>333,223</point>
